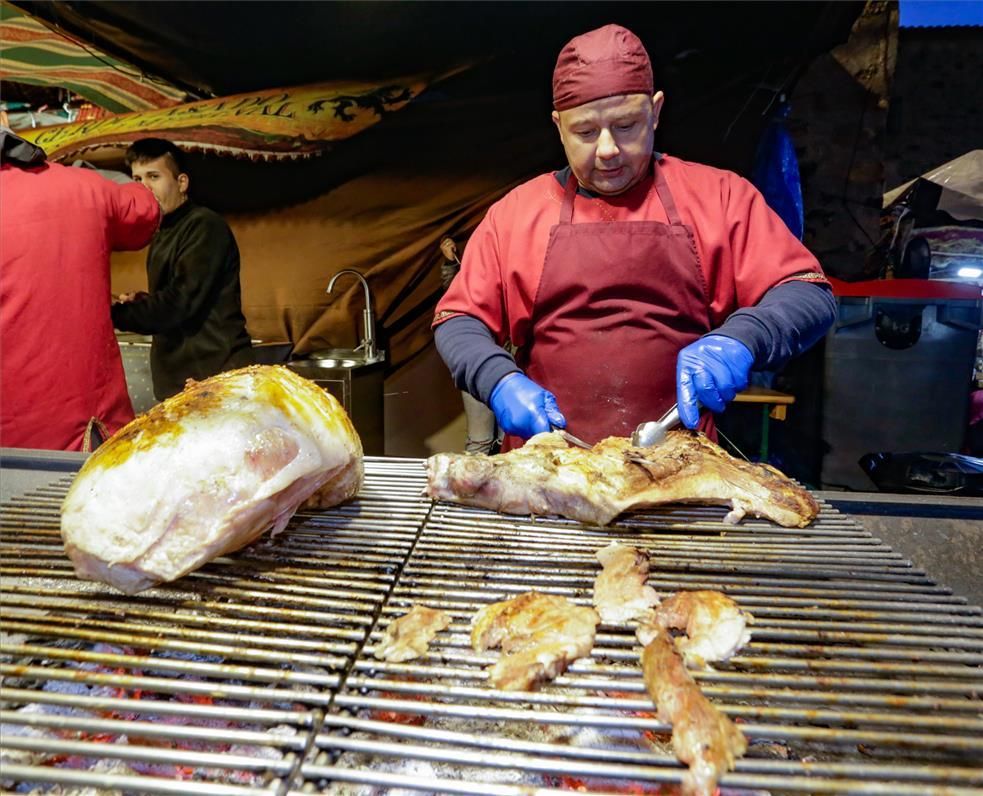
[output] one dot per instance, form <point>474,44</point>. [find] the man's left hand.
<point>710,371</point>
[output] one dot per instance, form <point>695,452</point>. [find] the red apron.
<point>616,302</point>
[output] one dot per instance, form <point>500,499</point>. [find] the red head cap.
<point>601,63</point>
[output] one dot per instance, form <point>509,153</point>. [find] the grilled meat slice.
<point>702,737</point>
<point>409,636</point>
<point>540,636</point>
<point>620,593</point>
<point>547,476</point>
<point>205,473</point>
<point>714,624</point>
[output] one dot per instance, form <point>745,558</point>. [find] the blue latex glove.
<point>710,371</point>
<point>523,408</point>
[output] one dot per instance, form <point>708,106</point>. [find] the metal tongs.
<point>653,432</point>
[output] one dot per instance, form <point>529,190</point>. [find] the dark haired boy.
<point>194,307</point>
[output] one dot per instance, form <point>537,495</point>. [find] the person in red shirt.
<point>628,281</point>
<point>60,364</point>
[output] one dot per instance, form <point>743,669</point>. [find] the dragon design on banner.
<point>275,124</point>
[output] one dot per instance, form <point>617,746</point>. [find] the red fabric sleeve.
<point>503,262</point>
<point>763,253</point>
<point>134,215</point>
<point>477,289</point>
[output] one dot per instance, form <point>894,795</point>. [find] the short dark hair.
<point>144,149</point>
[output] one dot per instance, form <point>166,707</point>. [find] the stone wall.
<point>880,109</point>
<point>839,123</point>
<point>936,109</point>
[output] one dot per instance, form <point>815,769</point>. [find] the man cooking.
<point>629,280</point>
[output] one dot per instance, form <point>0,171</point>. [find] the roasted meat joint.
<point>549,476</point>
<point>205,473</point>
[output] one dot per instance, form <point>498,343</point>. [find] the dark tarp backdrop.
<point>380,201</point>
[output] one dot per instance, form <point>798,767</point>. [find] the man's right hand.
<point>126,298</point>
<point>523,408</point>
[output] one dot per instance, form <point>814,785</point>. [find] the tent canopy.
<point>36,54</point>
<point>220,48</point>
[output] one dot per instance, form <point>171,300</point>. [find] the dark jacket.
<point>194,310</point>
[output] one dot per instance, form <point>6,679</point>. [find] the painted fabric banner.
<point>274,124</point>
<point>33,53</point>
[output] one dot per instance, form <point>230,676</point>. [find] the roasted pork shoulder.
<point>620,593</point>
<point>205,473</point>
<point>547,476</point>
<point>540,636</point>
<point>409,636</point>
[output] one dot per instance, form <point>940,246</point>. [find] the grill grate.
<point>214,684</point>
<point>862,675</point>
<point>256,675</point>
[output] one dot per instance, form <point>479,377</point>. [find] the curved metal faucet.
<point>368,321</point>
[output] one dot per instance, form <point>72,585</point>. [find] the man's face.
<point>608,142</point>
<point>158,175</point>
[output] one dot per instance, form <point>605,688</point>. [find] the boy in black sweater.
<point>194,307</point>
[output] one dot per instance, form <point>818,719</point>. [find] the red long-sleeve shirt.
<point>743,247</point>
<point>59,361</point>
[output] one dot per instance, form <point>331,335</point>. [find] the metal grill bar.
<point>570,770</point>
<point>206,689</point>
<point>142,785</point>
<point>587,677</point>
<point>642,704</point>
<point>149,729</point>
<point>182,758</point>
<point>36,600</point>
<point>159,708</point>
<point>905,740</point>
<point>161,664</point>
<point>923,773</point>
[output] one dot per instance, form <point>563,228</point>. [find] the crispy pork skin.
<point>547,476</point>
<point>205,473</point>
<point>620,593</point>
<point>539,634</point>
<point>702,737</point>
<point>409,636</point>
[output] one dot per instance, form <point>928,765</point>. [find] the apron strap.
<point>665,195</point>
<point>566,211</point>
<point>661,187</point>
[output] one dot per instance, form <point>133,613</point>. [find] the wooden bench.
<point>773,405</point>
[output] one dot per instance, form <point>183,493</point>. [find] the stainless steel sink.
<point>337,359</point>
<point>357,382</point>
